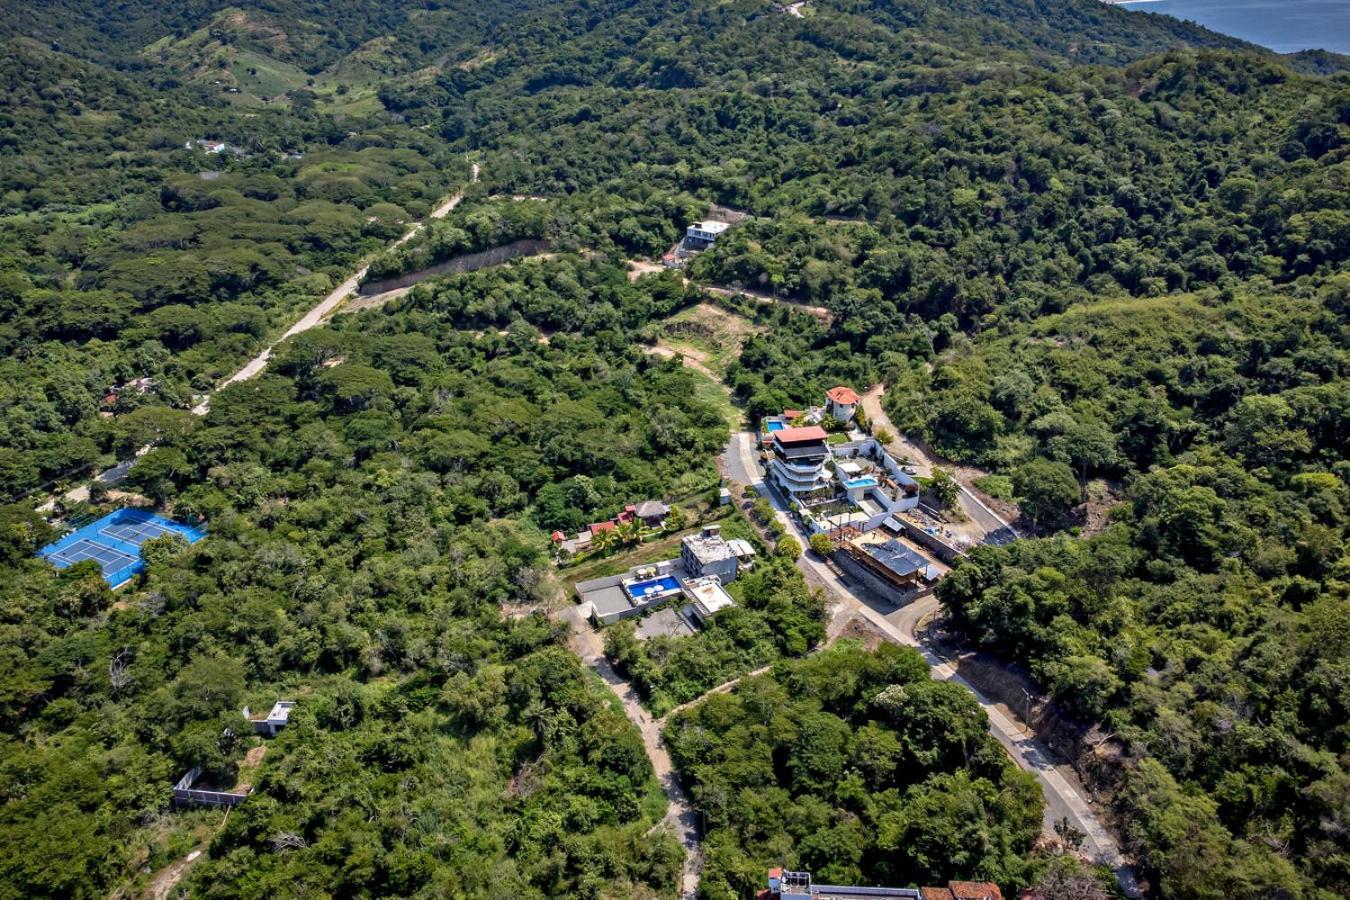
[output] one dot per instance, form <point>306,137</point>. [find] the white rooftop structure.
<point>275,720</point>
<point>707,230</point>
<point>741,547</point>
<point>708,597</point>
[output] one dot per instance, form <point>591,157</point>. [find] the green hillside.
<point>1100,255</point>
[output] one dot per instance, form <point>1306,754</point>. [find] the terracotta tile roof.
<point>791,414</point>
<point>597,527</point>
<point>845,395</point>
<point>800,435</point>
<point>935,893</point>
<point>975,890</point>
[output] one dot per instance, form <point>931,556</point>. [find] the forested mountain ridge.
<point>1100,253</point>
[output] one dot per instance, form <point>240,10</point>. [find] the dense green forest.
<point>777,616</point>
<point>128,256</point>
<point>1098,253</point>
<point>367,548</point>
<point>858,767</point>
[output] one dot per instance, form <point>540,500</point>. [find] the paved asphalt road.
<point>1062,799</point>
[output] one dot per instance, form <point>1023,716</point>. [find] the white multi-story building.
<point>798,460</point>
<point>705,232</point>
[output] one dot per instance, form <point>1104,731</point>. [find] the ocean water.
<point>1282,25</point>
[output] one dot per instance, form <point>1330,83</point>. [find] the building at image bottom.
<point>788,885</point>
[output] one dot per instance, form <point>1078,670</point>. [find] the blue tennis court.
<point>114,542</point>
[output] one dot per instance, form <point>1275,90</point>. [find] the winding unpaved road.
<point>1062,798</point>
<point>315,316</point>
<point>328,305</point>
<point>680,815</point>
<point>637,268</point>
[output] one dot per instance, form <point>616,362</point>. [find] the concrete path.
<point>680,815</point>
<point>1062,799</point>
<point>315,316</point>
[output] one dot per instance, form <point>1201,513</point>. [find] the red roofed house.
<point>842,402</point>
<point>798,460</point>
<point>974,890</point>
<point>597,527</point>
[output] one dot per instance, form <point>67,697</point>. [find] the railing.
<point>184,792</point>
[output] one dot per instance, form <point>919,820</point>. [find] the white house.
<point>842,402</point>
<point>705,232</point>
<point>275,719</point>
<point>707,598</point>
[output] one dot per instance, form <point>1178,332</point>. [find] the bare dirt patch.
<point>859,629</point>
<point>1102,495</point>
<point>639,267</point>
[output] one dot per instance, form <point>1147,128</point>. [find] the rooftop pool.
<point>664,585</point>
<point>865,481</point>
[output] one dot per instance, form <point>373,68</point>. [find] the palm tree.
<point>630,532</point>
<point>604,540</point>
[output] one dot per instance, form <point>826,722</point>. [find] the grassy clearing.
<point>714,333</point>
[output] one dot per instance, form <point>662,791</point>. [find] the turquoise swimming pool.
<point>640,589</point>
<point>774,425</point>
<point>865,481</point>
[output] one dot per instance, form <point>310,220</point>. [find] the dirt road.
<point>680,814</point>
<point>326,307</point>
<point>315,316</point>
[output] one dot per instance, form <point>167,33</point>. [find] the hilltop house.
<point>273,720</point>
<point>841,402</point>
<point>701,234</point>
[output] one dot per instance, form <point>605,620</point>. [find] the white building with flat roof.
<point>707,553</point>
<point>707,598</point>
<point>705,232</point>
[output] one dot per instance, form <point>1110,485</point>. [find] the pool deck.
<point>609,600</point>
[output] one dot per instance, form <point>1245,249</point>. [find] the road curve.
<point>994,527</point>
<point>1063,800</point>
